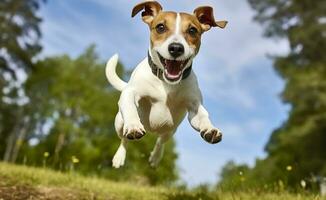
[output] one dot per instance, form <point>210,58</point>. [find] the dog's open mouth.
<point>173,68</point>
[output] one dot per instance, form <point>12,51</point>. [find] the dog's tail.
<point>111,74</point>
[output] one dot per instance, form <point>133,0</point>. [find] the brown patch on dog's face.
<point>162,27</point>
<point>191,30</point>
<point>163,24</point>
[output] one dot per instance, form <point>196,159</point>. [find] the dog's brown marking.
<point>202,20</point>
<point>150,10</point>
<point>187,22</point>
<point>205,16</point>
<point>168,19</point>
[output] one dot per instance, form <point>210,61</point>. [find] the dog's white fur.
<point>147,103</point>
<point>155,105</point>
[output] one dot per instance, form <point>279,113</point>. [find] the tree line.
<point>296,151</point>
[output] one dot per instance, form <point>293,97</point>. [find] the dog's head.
<point>175,37</point>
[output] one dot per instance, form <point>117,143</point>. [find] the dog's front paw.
<point>133,131</point>
<point>211,135</point>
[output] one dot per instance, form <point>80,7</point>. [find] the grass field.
<point>27,183</point>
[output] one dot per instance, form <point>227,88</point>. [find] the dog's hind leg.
<point>157,153</point>
<point>120,156</point>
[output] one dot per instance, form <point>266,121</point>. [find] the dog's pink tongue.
<point>173,67</point>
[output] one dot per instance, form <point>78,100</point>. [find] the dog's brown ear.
<point>150,10</point>
<point>205,16</point>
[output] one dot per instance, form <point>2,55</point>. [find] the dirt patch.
<point>64,194</point>
<point>29,193</point>
<point>18,193</point>
<point>13,191</point>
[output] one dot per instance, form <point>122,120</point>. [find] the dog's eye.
<point>160,28</point>
<point>192,31</point>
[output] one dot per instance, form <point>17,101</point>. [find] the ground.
<point>27,183</point>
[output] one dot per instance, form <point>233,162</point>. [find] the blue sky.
<point>240,88</point>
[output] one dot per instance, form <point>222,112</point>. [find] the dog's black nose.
<point>176,49</point>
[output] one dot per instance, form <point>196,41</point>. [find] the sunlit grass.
<point>102,188</point>
<point>74,186</point>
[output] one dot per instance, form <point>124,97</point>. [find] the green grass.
<point>20,182</point>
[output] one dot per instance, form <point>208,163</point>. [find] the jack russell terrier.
<point>163,87</point>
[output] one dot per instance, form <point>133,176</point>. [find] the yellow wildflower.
<point>289,168</point>
<point>303,183</point>
<point>74,159</point>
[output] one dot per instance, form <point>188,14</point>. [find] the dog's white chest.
<point>160,116</point>
<point>164,114</point>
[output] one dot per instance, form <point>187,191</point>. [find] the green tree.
<point>233,176</point>
<point>300,143</point>
<point>19,44</point>
<point>19,35</point>
<point>296,150</point>
<point>72,110</point>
